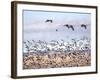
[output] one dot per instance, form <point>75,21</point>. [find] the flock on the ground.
<point>56,46</point>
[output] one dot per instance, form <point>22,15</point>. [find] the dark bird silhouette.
<point>69,26</point>
<point>28,41</point>
<point>56,29</point>
<point>49,20</point>
<point>66,25</point>
<point>83,25</point>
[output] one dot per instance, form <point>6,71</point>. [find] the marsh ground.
<point>56,59</point>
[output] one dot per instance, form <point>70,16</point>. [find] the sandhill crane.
<point>69,26</point>
<point>49,20</point>
<point>84,26</point>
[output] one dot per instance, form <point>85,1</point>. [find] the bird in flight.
<point>84,26</point>
<point>49,20</point>
<point>69,26</point>
<point>56,29</point>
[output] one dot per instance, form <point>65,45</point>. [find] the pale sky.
<point>35,27</point>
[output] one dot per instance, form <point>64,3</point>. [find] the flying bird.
<point>69,26</point>
<point>66,25</point>
<point>84,26</point>
<point>49,20</point>
<point>56,29</point>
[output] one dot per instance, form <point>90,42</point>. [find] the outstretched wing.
<point>48,20</point>
<point>66,25</point>
<point>83,25</point>
<point>71,26</point>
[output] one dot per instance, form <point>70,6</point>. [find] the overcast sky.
<point>35,27</point>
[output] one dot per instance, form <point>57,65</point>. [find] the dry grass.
<point>56,60</point>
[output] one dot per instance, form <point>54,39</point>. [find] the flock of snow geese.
<point>56,46</point>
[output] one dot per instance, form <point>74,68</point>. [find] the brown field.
<point>56,60</point>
